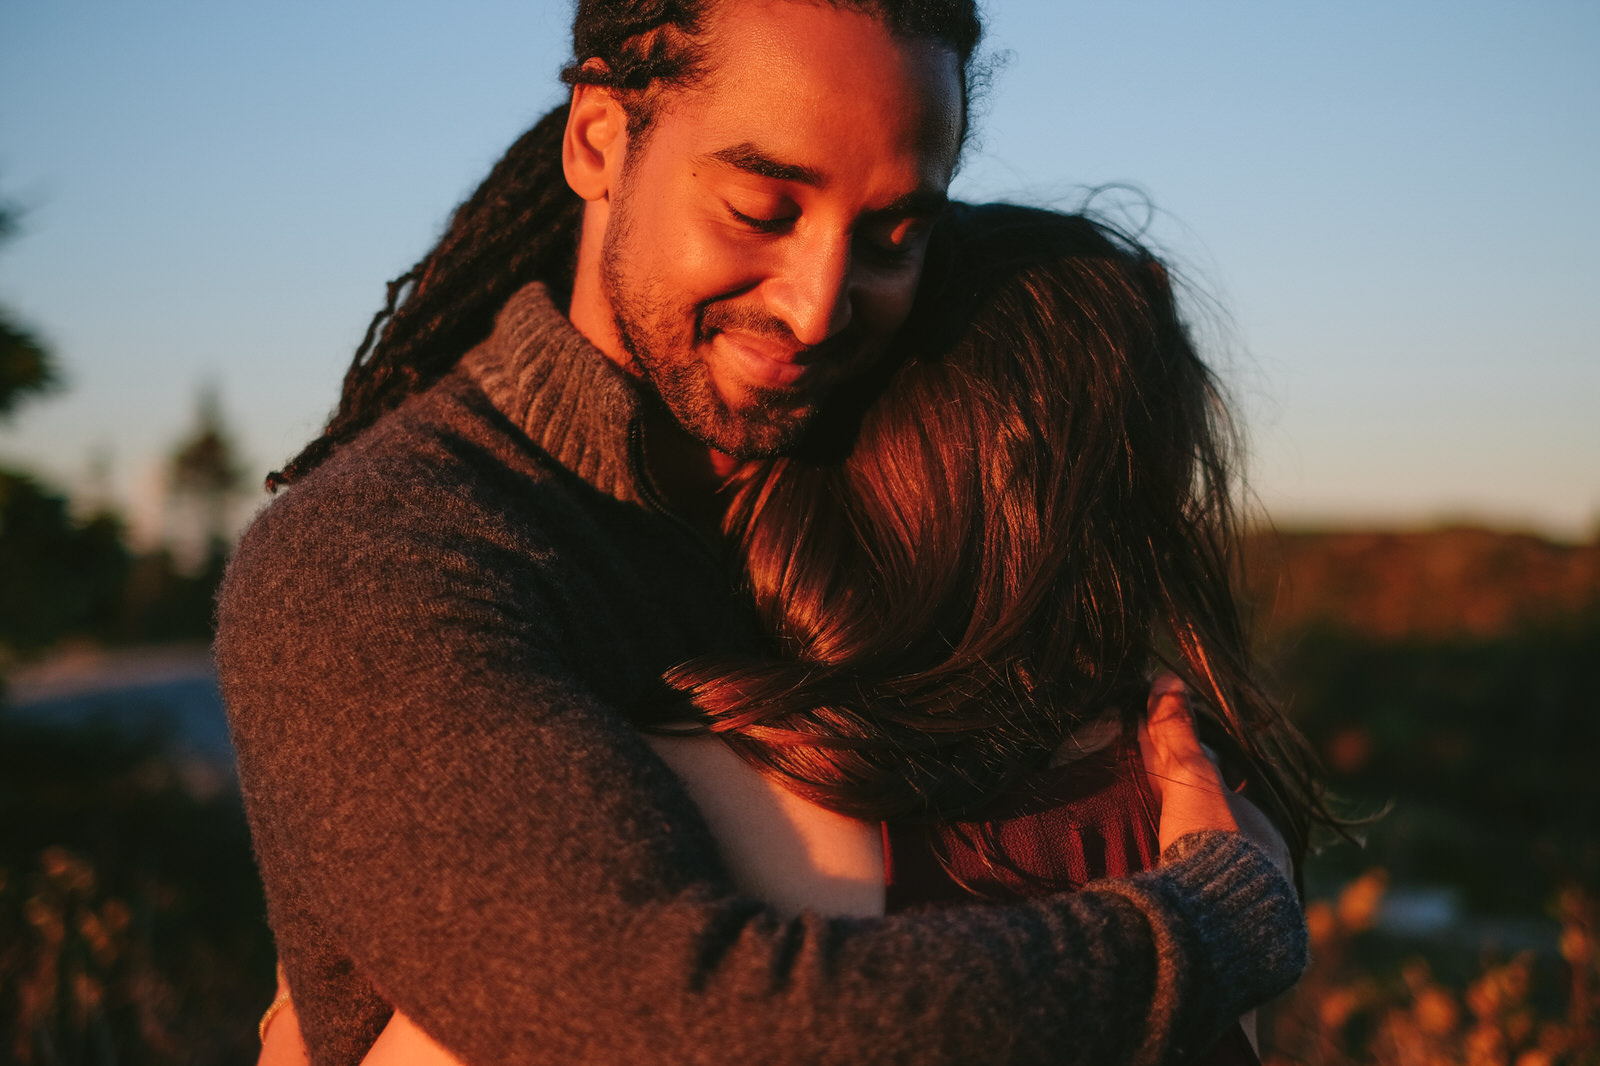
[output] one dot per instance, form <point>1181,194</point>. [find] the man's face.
<point>766,239</point>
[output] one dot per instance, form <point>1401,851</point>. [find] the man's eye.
<point>892,253</point>
<point>893,245</point>
<point>760,223</point>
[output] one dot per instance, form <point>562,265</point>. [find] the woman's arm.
<point>281,1041</point>
<point>400,1044</point>
<point>1187,783</point>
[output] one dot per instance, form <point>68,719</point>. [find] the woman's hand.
<point>281,1042</point>
<point>401,1043</point>
<point>1188,786</point>
<point>1186,783</point>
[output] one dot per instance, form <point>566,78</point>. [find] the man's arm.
<point>439,807</point>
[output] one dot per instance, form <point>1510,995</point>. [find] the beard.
<point>662,336</point>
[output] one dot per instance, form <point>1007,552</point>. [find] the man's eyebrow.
<point>923,203</point>
<point>752,160</point>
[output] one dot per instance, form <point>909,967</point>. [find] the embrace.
<point>746,608</point>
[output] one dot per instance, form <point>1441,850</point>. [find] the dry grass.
<point>1342,1013</point>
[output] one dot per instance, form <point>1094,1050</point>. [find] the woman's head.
<point>1049,420</point>
<point>1033,513</point>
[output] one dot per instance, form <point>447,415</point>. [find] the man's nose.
<point>812,293</point>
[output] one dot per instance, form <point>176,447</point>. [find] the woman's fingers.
<point>281,1041</point>
<point>1183,778</point>
<point>1167,739</point>
<point>1164,685</point>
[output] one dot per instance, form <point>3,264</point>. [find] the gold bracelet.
<point>280,1001</point>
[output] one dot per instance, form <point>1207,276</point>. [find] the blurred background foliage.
<point>1447,674</point>
<point>26,366</point>
<point>1444,676</point>
<point>131,918</point>
<point>132,926</point>
<point>67,575</point>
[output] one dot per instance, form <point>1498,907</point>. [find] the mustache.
<point>722,318</point>
<point>742,318</point>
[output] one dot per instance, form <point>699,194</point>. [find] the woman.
<point>1033,516</point>
<point>1030,516</point>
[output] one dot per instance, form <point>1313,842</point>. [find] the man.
<point>430,645</point>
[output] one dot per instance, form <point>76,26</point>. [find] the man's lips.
<point>762,364</point>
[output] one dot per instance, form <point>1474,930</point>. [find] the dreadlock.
<point>522,224</point>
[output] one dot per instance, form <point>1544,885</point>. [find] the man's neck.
<point>685,472</point>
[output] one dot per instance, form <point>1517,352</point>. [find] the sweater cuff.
<point>1237,936</point>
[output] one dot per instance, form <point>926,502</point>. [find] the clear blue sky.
<point>1397,205</point>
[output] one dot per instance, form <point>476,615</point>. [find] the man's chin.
<point>768,443</point>
<point>760,434</point>
<point>745,422</point>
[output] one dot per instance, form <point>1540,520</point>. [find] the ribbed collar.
<point>572,401</point>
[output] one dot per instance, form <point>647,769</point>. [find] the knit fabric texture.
<point>428,648</point>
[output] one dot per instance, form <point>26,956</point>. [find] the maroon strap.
<point>1055,832</point>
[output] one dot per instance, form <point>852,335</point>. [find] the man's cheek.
<point>889,304</point>
<point>725,258</point>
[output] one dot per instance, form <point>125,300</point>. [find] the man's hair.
<point>1035,513</point>
<point>522,224</point>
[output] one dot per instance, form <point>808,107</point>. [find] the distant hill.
<point>1450,582</point>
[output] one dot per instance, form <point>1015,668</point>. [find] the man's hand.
<point>1186,783</point>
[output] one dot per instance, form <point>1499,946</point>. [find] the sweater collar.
<point>560,390</point>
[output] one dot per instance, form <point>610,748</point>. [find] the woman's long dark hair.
<point>1035,513</point>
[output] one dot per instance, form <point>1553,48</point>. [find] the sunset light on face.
<point>1393,208</point>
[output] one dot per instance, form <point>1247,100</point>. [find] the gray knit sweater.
<point>426,648</point>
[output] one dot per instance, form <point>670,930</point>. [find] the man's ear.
<point>595,141</point>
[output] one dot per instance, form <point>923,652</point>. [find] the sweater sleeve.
<point>451,824</point>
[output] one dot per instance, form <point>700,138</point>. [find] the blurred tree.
<point>26,367</point>
<point>57,577</point>
<point>62,577</point>
<point>207,475</point>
